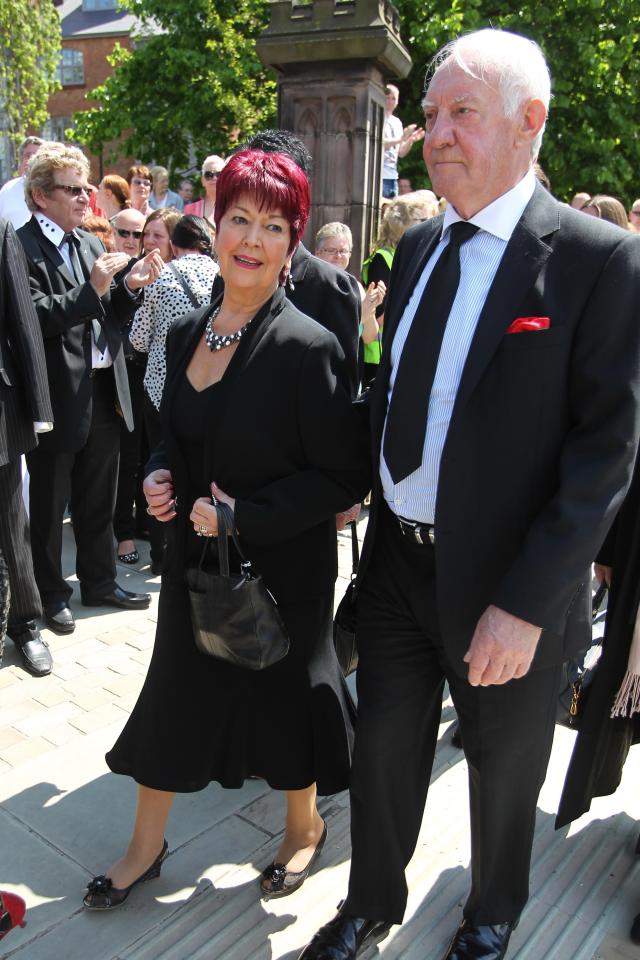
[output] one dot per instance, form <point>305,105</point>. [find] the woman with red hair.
<point>256,413</point>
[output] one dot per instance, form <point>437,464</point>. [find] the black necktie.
<point>406,423</point>
<point>98,333</point>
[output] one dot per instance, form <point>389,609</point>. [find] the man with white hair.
<point>504,424</point>
<point>13,206</point>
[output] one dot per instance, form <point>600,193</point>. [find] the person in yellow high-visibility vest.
<point>402,213</point>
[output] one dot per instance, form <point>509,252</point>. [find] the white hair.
<point>516,63</point>
<point>333,229</point>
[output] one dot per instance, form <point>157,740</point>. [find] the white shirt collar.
<point>501,216</point>
<point>50,229</point>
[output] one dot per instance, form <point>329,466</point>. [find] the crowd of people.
<point>162,356</point>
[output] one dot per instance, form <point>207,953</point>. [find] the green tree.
<point>197,81</point>
<point>30,43</point>
<point>593,50</point>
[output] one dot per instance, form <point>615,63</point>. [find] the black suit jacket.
<point>284,439</point>
<point>544,428</point>
<point>65,310</point>
<point>331,297</point>
<point>24,392</point>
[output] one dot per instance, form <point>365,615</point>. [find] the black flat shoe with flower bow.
<point>102,895</point>
<point>281,882</point>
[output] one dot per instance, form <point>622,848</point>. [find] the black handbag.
<point>234,616</point>
<point>578,673</point>
<point>344,622</point>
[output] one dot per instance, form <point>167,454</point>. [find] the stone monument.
<point>333,58</point>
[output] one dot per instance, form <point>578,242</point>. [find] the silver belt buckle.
<point>417,531</point>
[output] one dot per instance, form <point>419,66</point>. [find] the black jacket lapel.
<point>521,264</point>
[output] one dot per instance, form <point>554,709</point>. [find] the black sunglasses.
<point>74,191</point>
<point>129,233</point>
<point>210,175</point>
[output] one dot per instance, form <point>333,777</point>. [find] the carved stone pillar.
<point>333,58</point>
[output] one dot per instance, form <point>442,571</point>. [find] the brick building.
<point>90,30</point>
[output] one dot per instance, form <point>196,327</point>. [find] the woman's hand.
<point>602,573</point>
<point>158,490</point>
<point>347,516</point>
<point>376,293</point>
<point>204,516</point>
<point>145,271</point>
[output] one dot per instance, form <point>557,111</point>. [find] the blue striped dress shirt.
<point>415,496</point>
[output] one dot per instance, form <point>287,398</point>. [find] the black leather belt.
<point>422,533</point>
<point>100,372</point>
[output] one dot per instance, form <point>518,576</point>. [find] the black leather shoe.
<point>59,618</point>
<point>344,937</point>
<point>123,599</point>
<point>634,933</point>
<point>480,942</point>
<point>34,651</point>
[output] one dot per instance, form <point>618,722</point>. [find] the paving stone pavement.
<point>64,817</point>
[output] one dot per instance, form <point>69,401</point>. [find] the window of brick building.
<point>70,70</point>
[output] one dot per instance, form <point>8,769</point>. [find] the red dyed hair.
<point>273,180</point>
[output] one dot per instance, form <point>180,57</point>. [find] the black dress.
<point>199,719</point>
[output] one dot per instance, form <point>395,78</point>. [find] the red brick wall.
<point>69,100</point>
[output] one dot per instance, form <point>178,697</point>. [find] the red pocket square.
<point>522,324</point>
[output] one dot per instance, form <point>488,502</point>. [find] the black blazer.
<point>65,310</point>
<point>24,392</point>
<point>331,297</point>
<point>544,428</point>
<point>285,441</point>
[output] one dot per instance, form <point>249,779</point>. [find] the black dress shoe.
<point>344,937</point>
<point>277,881</point>
<point>34,651</point>
<point>59,618</point>
<point>102,895</point>
<point>488,942</point>
<point>634,933</point>
<point>123,599</point>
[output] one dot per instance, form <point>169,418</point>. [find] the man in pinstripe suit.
<point>25,409</point>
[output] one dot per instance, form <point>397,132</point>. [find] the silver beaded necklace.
<point>218,341</point>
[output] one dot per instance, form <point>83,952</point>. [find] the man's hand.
<point>342,519</point>
<point>104,270</point>
<point>158,490</point>
<point>145,271</point>
<point>502,648</point>
<point>410,135</point>
<point>602,573</point>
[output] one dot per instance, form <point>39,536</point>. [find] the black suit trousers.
<point>15,545</point>
<point>130,450</point>
<point>507,732</point>
<point>86,480</point>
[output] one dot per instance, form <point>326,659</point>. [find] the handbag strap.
<point>185,286</point>
<point>226,527</point>
<point>355,549</point>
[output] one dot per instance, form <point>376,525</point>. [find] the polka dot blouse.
<point>164,302</point>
